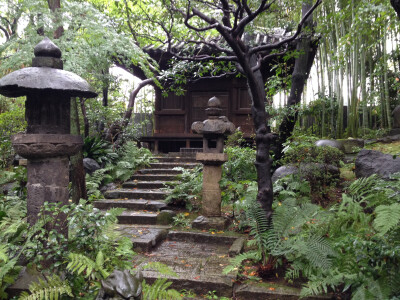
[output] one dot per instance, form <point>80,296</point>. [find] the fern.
<point>160,290</point>
<point>53,288</point>
<point>80,263</point>
<point>387,217</point>
<point>237,261</point>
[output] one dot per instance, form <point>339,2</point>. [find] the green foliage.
<point>300,152</point>
<point>235,140</point>
<point>131,159</point>
<point>99,150</point>
<point>17,176</point>
<point>93,269</point>
<point>94,182</point>
<point>51,288</point>
<point>181,220</point>
<point>160,290</point>
<point>186,190</point>
<point>9,270</point>
<point>240,165</point>
<point>12,121</point>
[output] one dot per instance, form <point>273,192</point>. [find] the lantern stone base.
<point>206,223</point>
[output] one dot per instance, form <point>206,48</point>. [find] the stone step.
<point>142,217</point>
<point>131,204</point>
<point>159,171</point>
<point>138,217</point>
<point>198,265</point>
<point>144,184</point>
<point>144,237</point>
<point>153,177</point>
<point>171,165</point>
<point>176,159</point>
<point>135,194</point>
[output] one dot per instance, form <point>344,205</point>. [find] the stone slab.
<point>206,223</point>
<point>212,158</point>
<point>153,177</point>
<point>131,204</point>
<point>171,165</point>
<point>159,171</point>
<point>135,194</point>
<point>144,238</point>
<point>271,290</point>
<point>137,217</point>
<point>198,266</point>
<point>202,237</point>
<point>158,184</point>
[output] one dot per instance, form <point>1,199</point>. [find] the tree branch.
<point>250,16</point>
<point>5,32</point>
<point>287,40</point>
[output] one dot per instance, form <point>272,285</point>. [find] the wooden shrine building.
<point>174,114</point>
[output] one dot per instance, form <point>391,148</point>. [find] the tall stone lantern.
<point>213,130</point>
<point>47,143</point>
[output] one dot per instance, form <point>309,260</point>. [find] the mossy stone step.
<point>164,217</point>
<point>144,184</point>
<point>171,165</point>
<point>144,237</point>
<point>177,159</point>
<point>154,177</point>
<point>159,171</point>
<point>135,194</point>
<point>131,204</point>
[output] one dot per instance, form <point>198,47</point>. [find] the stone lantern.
<point>47,143</point>
<point>213,130</point>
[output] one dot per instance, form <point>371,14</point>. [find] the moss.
<point>388,148</point>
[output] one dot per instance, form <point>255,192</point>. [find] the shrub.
<point>99,150</point>
<point>11,122</point>
<point>186,190</point>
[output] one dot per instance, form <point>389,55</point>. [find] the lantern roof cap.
<point>45,76</point>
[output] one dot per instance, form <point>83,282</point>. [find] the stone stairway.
<point>147,216</point>
<point>197,257</point>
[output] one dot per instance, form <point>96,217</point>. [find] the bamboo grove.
<point>357,65</point>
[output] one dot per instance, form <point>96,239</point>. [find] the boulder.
<point>308,171</point>
<point>331,143</point>
<point>90,165</point>
<point>108,187</point>
<point>396,117</point>
<point>370,162</point>
<point>284,171</point>
<point>352,145</point>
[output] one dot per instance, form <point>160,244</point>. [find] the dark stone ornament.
<point>121,285</point>
<point>214,128</point>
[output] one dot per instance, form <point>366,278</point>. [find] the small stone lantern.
<point>47,143</point>
<point>214,130</point>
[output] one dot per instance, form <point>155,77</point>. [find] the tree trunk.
<point>85,118</point>
<point>77,172</point>
<point>255,82</point>
<point>54,6</point>
<point>302,67</point>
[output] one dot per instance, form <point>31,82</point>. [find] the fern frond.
<point>160,290</point>
<point>51,289</point>
<point>80,263</point>
<point>237,261</point>
<point>387,217</point>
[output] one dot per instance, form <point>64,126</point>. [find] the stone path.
<point>196,257</point>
